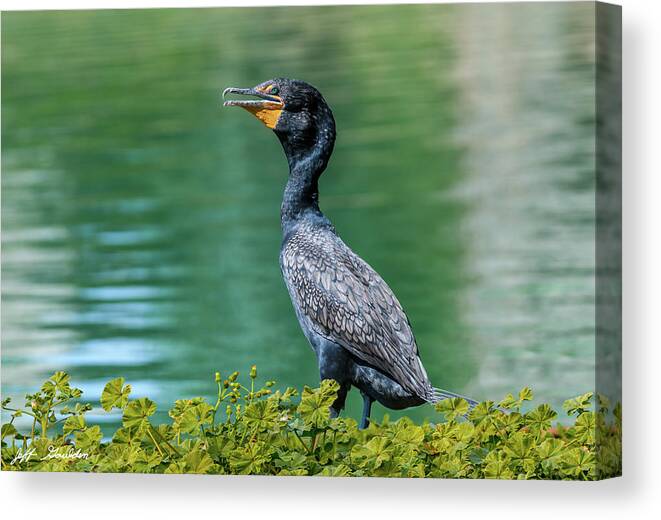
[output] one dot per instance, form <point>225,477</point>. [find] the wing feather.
<point>346,301</point>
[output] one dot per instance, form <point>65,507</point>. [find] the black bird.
<point>350,316</point>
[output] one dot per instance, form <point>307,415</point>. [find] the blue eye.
<point>274,90</point>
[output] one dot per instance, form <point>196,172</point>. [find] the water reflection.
<point>529,162</point>
<point>140,223</point>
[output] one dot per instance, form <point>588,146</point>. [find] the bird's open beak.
<point>267,108</point>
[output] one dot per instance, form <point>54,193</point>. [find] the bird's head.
<point>293,109</point>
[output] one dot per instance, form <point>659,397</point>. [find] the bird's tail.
<point>439,395</point>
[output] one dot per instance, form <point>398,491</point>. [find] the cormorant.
<point>350,316</point>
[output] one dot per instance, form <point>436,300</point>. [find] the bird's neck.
<point>301,196</point>
<point>306,164</point>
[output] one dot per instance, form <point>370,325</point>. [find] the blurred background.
<point>140,220</point>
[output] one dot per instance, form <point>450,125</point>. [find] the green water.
<point>140,220</point>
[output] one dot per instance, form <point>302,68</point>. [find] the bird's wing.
<point>347,302</point>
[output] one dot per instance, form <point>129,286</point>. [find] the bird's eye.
<point>274,90</point>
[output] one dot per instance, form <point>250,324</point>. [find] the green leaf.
<point>377,451</point>
<point>550,452</point>
<point>452,407</point>
<point>198,461</point>
<point>120,457</point>
<point>540,418</point>
<point>585,427</point>
<point>8,430</point>
<point>411,436</point>
<point>291,460</point>
<point>249,460</point>
<point>293,473</point>
<point>115,394</point>
<point>59,381</point>
<point>297,425</point>
<point>578,405</point>
<point>464,432</point>
<point>178,467</point>
<point>137,413</point>
<point>73,423</point>
<point>190,415</point>
<point>512,421</point>
<point>481,412</point>
<point>478,455</point>
<point>88,439</point>
<point>124,436</point>
<point>519,449</point>
<point>578,460</point>
<point>453,467</point>
<point>525,394</point>
<point>315,404</point>
<point>145,462</point>
<point>341,470</point>
<point>498,468</point>
<point>262,415</point>
<point>509,402</point>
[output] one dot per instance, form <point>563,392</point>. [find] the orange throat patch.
<point>267,112</point>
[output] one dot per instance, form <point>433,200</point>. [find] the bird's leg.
<point>332,365</point>
<point>338,405</point>
<point>367,409</point>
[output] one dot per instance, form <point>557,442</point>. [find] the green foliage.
<point>452,408</point>
<point>266,432</point>
<point>115,394</point>
<point>314,404</point>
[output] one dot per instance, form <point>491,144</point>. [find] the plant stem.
<point>16,410</point>
<point>154,441</point>
<point>334,444</point>
<point>165,440</point>
<point>218,401</point>
<point>307,450</point>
